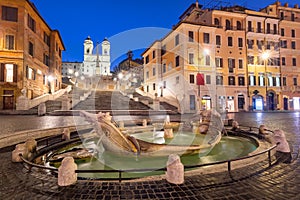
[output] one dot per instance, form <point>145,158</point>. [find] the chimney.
<point>197,4</point>
<point>278,3</point>
<point>296,6</point>
<point>286,5</point>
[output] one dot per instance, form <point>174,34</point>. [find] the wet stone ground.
<point>281,181</point>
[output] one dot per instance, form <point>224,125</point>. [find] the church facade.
<point>96,59</point>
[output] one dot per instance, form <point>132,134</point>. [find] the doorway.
<point>8,100</point>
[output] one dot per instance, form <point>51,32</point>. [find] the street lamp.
<point>265,56</point>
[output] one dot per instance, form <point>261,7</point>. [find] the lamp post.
<point>265,56</point>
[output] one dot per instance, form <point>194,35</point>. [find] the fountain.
<point>112,148</point>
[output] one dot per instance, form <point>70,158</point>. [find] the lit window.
<point>9,72</point>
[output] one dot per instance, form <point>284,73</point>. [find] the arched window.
<point>217,22</point>
<point>238,25</point>
<point>228,25</point>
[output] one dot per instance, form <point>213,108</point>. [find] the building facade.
<point>96,63</point>
<point>229,59</point>
<point>30,53</point>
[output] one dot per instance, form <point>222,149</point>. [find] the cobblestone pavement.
<point>281,181</point>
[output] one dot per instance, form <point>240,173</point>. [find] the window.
<point>284,81</point>
<point>241,81</point>
<point>277,81</point>
<point>31,23</point>
<point>153,71</point>
<point>31,49</point>
<point>293,45</point>
<point>191,36</point>
<point>238,25</point>
<point>259,27</point>
<point>163,49</point>
<point>9,14</point>
<point>283,61</point>
<point>281,15</point>
<point>165,84</point>
<point>229,42</point>
<point>241,64</point>
<point>153,54</point>
<point>217,21</point>
<point>294,62</point>
<point>282,32</point>
<point>208,79</point>
<point>191,58</point>
<point>206,38</point>
<point>228,25</point>
<point>177,79</point>
<point>154,86</point>
<point>283,44</point>
<point>147,74</point>
<point>46,60</point>
<point>192,102</point>
<point>219,62</point>
<point>46,38</point>
<point>231,80</point>
<point>259,44</point>
<point>268,28</point>
<point>207,60</point>
<point>261,80</point>
<point>293,17</point>
<point>252,80</point>
<point>218,40</point>
<point>30,73</point>
<point>268,45</point>
<point>293,34</point>
<point>8,73</point>
<point>147,59</point>
<point>164,69</point>
<point>295,81</point>
<point>177,61</point>
<point>275,28</point>
<point>219,80</point>
<point>192,79</point>
<point>10,42</point>
<point>250,44</point>
<point>231,63</point>
<point>240,42</point>
<point>176,39</point>
<point>250,60</point>
<point>250,29</point>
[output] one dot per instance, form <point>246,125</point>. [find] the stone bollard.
<point>20,149</point>
<point>283,151</point>
<point>235,126</point>
<point>30,148</point>
<point>27,150</point>
<point>66,135</point>
<point>168,133</point>
<point>175,170</point>
<point>145,123</point>
<point>261,129</point>
<point>66,172</point>
<point>42,109</point>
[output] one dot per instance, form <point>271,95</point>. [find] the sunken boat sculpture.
<point>114,140</point>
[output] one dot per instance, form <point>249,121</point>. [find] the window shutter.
<point>27,71</point>
<point>15,78</point>
<point>2,72</point>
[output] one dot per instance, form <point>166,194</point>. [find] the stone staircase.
<point>110,100</point>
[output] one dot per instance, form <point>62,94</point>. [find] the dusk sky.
<point>129,25</point>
